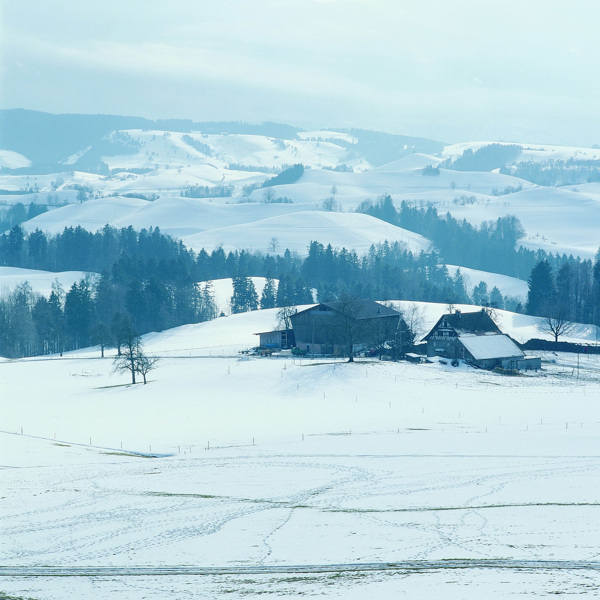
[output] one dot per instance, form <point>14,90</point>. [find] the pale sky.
<point>516,70</point>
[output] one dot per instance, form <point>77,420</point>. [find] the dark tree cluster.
<point>386,272</point>
<point>431,171</point>
<point>206,191</point>
<point>565,294</point>
<point>197,145</point>
<point>18,214</point>
<point>487,158</point>
<point>490,247</point>
<point>152,280</point>
<point>556,172</point>
<point>287,176</point>
<point>91,312</point>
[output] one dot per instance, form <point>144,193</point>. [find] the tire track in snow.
<point>408,565</point>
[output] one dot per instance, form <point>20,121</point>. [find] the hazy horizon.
<point>451,72</point>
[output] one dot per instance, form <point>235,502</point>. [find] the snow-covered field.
<point>509,286</point>
<point>229,461</point>
<point>283,476</point>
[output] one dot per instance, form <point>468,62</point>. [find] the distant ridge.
<point>49,139</point>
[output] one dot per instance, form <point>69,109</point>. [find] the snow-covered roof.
<point>484,347</point>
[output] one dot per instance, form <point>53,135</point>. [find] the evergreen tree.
<point>78,314</point>
<point>267,297</point>
<point>37,244</point>
<point>285,295</point>
<point>208,308</point>
<point>480,294</point>
<point>565,294</point>
<point>57,319</point>
<point>244,296</point>
<point>496,298</point>
<point>459,289</point>
<point>596,289</point>
<point>541,295</point>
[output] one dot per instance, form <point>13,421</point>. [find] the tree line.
<point>555,172</point>
<point>491,246</point>
<point>565,295</point>
<point>152,280</point>
<point>486,158</point>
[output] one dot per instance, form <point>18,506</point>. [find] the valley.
<point>236,474</point>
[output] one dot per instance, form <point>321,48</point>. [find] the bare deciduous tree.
<point>556,324</point>
<point>145,364</point>
<point>284,316</point>
<point>131,358</point>
<point>414,317</point>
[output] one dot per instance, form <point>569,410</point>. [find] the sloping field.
<point>296,230</point>
<point>243,475</point>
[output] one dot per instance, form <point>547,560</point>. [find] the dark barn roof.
<point>471,323</point>
<point>361,309</point>
<point>475,323</point>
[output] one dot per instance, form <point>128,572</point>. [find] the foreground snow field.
<point>236,462</point>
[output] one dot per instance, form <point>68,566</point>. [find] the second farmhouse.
<point>476,339</point>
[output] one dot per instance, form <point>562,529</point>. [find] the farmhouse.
<point>476,339</point>
<point>344,327</point>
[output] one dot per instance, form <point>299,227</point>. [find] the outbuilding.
<point>278,339</point>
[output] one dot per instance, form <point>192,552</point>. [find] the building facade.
<point>475,338</point>
<point>344,327</point>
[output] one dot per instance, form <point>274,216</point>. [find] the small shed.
<point>278,339</point>
<point>413,357</point>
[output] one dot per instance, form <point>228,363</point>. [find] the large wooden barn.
<point>343,327</point>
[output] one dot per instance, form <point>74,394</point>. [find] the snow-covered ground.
<point>227,460</point>
<point>509,286</point>
<point>13,160</point>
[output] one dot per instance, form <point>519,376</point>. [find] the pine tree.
<point>541,295</point>
<point>458,288</point>
<point>496,298</point>
<point>244,296</point>
<point>284,292</point>
<point>267,298</point>
<point>208,308</point>
<point>480,294</point>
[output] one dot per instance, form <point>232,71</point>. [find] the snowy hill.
<point>175,215</point>
<point>555,219</point>
<point>40,281</point>
<point>158,167</point>
<point>530,152</point>
<point>295,231</point>
<point>203,224</point>
<point>13,160</point>
<point>509,286</point>
<point>409,163</point>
